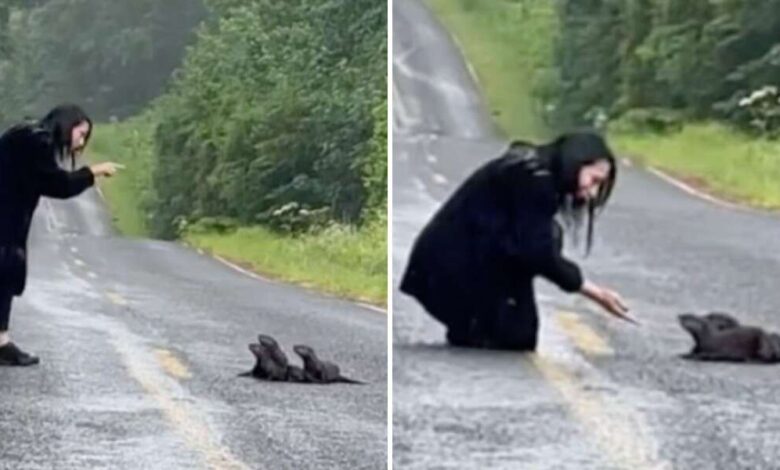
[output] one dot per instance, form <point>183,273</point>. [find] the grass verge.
<point>510,42</point>
<point>128,143</point>
<point>341,260</point>
<point>712,157</point>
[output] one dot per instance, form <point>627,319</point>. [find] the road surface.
<point>599,393</point>
<point>141,342</point>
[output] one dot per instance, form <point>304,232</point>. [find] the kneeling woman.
<point>473,265</point>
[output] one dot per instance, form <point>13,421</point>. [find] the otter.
<point>720,337</point>
<point>265,367</point>
<point>297,374</point>
<point>271,364</point>
<point>721,321</point>
<point>319,371</point>
<point>280,363</point>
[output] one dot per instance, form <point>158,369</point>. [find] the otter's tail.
<point>347,380</point>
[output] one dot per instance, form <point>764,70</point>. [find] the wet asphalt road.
<point>141,342</point>
<point>599,393</point>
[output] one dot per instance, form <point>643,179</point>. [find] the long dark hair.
<point>59,123</point>
<point>566,156</point>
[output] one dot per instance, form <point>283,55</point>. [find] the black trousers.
<point>505,322</point>
<point>5,310</point>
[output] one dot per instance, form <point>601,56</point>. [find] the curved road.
<point>141,342</point>
<point>599,393</point>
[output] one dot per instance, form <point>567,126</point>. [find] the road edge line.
<point>255,276</point>
<point>685,187</point>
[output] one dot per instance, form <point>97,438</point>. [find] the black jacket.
<point>493,235</point>
<point>28,170</point>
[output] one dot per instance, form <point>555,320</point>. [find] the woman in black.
<point>472,267</point>
<point>29,157</point>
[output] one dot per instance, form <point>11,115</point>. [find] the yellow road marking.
<point>116,298</point>
<point>185,420</point>
<point>172,399</point>
<point>583,336</point>
<point>619,431</point>
<point>172,365</point>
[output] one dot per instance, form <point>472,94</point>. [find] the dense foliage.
<point>276,117</point>
<point>111,56</point>
<point>275,114</point>
<point>663,60</point>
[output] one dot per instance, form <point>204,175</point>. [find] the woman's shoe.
<point>10,355</point>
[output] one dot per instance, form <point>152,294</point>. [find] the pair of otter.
<point>720,337</point>
<point>272,364</point>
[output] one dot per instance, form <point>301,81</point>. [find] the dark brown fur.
<point>320,371</point>
<point>277,357</point>
<point>271,364</point>
<point>720,337</point>
<point>265,367</point>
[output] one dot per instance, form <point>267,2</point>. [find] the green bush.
<point>655,120</point>
<point>216,225</point>
<point>111,56</point>
<point>700,57</point>
<point>277,103</point>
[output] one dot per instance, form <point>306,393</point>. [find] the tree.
<point>113,65</point>
<point>275,105</point>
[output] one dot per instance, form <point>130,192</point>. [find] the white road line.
<point>471,69</point>
<point>371,307</point>
<point>401,113</point>
<point>453,92</point>
<point>402,56</point>
<point>261,278</point>
<point>241,270</point>
<point>695,192</point>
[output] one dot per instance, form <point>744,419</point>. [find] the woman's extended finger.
<point>618,300</point>
<point>624,316</point>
